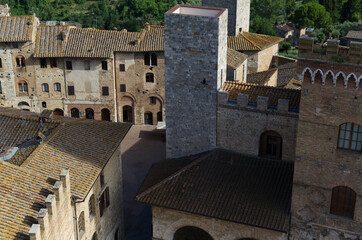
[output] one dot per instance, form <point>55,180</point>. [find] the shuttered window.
<point>70,90</point>
<point>122,67</point>
<point>104,201</point>
<point>123,87</point>
<point>343,201</point>
<point>105,91</point>
<point>271,145</point>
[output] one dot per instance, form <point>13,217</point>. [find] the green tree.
<point>352,10</point>
<point>312,15</point>
<point>264,14</point>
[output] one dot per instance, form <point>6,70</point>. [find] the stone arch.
<point>74,113</point>
<point>318,77</point>
<point>340,79</point>
<point>359,80</point>
<point>58,112</point>
<point>271,145</point>
<point>157,96</point>
<point>127,109</point>
<point>89,113</point>
<point>21,104</point>
<point>246,239</point>
<point>148,118</point>
<point>328,78</point>
<point>307,74</point>
<point>191,233</point>
<point>105,115</point>
<point>351,81</point>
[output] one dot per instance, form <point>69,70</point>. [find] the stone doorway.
<point>191,233</point>
<point>127,114</point>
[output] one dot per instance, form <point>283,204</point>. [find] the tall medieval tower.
<point>195,69</point>
<point>239,14</point>
<point>327,190</point>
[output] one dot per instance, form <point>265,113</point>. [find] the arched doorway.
<point>106,114</point>
<point>23,104</point>
<point>148,118</point>
<point>159,117</point>
<point>89,113</point>
<point>58,112</point>
<point>271,145</point>
<point>191,233</point>
<point>74,113</point>
<point>127,114</point>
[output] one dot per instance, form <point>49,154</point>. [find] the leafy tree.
<point>312,15</point>
<point>352,10</point>
<point>290,7</point>
<point>285,46</point>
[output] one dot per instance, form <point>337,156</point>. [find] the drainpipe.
<point>115,88</point>
<point>65,85</point>
<point>75,218</point>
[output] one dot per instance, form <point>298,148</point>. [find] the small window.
<point>105,91</point>
<point>153,100</point>
<point>150,77</point>
<point>122,67</point>
<point>20,61</point>
<point>53,63</point>
<point>1,88</point>
<point>104,201</point>
<point>350,137</point>
<point>147,59</point>
<point>154,59</point>
<point>104,65</point>
<point>343,201</point>
<point>271,145</point>
<point>86,65</point>
<point>23,87</point>
<point>15,45</point>
<point>68,65</point>
<point>81,223</point>
<point>43,62</point>
<point>70,90</point>
<point>57,87</point>
<point>45,87</point>
<point>123,87</point>
<point>159,117</point>
<point>44,104</point>
<point>91,205</point>
<point>1,63</point>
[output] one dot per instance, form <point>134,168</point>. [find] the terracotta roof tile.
<point>354,35</point>
<point>50,41</point>
<point>286,27</point>
<point>247,41</point>
<point>16,28</point>
<point>83,147</point>
<point>225,185</point>
<point>261,78</point>
<point>235,58</point>
<point>254,91</point>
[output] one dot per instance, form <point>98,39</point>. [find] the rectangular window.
<point>57,87</point>
<point>104,65</point>
<point>86,65</point>
<point>123,87</point>
<point>1,88</point>
<point>104,201</point>
<point>122,67</point>
<point>153,100</point>
<point>70,90</point>
<point>15,45</point>
<point>105,91</point>
<point>69,65</point>
<point>43,62</point>
<point>53,63</point>
<point>1,63</point>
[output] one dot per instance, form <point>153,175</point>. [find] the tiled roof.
<point>225,185</point>
<point>354,34</point>
<point>247,41</point>
<point>294,84</point>
<point>235,58</point>
<point>254,91</point>
<point>286,73</point>
<point>83,147</point>
<point>50,41</point>
<point>16,129</point>
<point>286,27</point>
<point>261,78</point>
<point>16,28</point>
<point>22,194</point>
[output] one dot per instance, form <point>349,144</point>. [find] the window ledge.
<point>348,151</point>
<point>336,217</point>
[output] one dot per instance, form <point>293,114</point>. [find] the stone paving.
<point>142,147</point>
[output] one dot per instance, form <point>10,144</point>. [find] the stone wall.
<point>241,125</point>
<point>265,57</point>
<point>195,55</point>
<point>239,14</point>
<point>320,165</point>
<point>166,222</point>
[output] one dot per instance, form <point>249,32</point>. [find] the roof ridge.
<point>19,168</point>
<point>174,174</point>
<point>258,86</point>
<point>242,34</point>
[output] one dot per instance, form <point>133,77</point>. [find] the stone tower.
<point>195,69</point>
<point>327,190</point>
<point>239,14</point>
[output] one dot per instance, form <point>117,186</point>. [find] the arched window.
<point>58,112</point>
<point>154,59</point>
<point>350,137</point>
<point>147,59</point>
<point>57,87</point>
<point>106,114</point>
<point>91,205</point>
<point>343,201</point>
<point>89,113</point>
<point>81,223</point>
<point>271,145</point>
<point>191,233</point>
<point>148,118</point>
<point>150,77</point>
<point>23,86</point>
<point>45,87</point>
<point>74,112</point>
<point>20,61</point>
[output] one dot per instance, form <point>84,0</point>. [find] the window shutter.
<point>107,197</point>
<point>70,90</point>
<point>101,205</point>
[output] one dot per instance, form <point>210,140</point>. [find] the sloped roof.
<point>253,91</point>
<point>22,194</point>
<point>16,28</point>
<point>261,78</point>
<point>225,185</point>
<point>247,41</point>
<point>235,58</point>
<point>83,147</point>
<point>50,41</point>
<point>354,34</point>
<point>285,27</point>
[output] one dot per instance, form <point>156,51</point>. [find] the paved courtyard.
<point>141,147</point>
